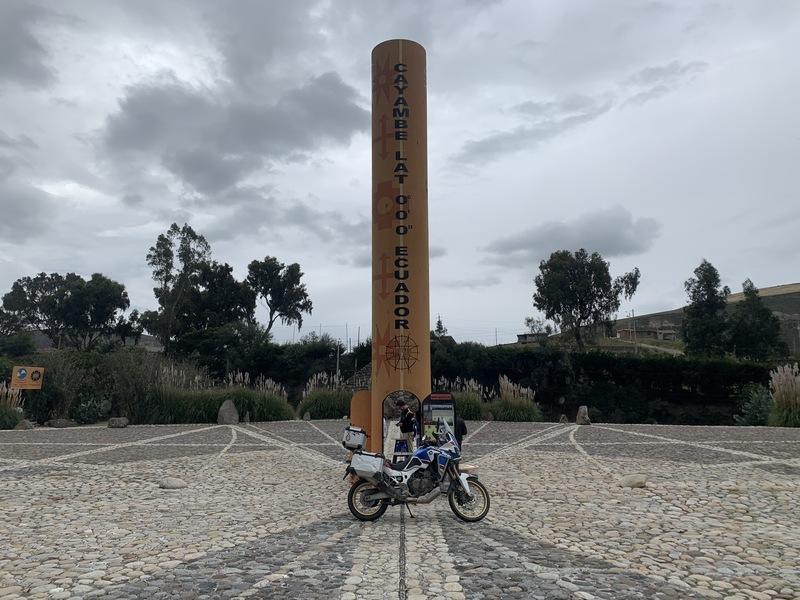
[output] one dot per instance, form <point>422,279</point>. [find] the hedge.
<point>622,389</point>
<point>326,404</point>
<point>202,406</point>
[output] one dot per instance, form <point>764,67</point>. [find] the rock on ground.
<point>228,415</point>
<point>635,480</point>
<point>172,483</point>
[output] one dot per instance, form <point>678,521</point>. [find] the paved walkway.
<point>265,516</point>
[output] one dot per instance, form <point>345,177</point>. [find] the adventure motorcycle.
<point>431,471</point>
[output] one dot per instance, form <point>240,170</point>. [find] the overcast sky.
<point>656,133</point>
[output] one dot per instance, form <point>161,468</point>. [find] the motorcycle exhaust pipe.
<point>427,498</point>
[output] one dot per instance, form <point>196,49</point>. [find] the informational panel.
<point>439,406</point>
<point>400,281</point>
<point>27,378</point>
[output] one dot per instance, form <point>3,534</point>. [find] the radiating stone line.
<point>689,443</point>
<point>56,459</point>
<point>526,441</point>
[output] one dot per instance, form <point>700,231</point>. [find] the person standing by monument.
<point>407,424</point>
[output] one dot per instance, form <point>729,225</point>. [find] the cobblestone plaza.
<point>264,515</point>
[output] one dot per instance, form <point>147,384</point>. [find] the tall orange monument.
<point>401,360</point>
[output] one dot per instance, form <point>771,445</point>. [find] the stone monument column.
<point>400,281</point>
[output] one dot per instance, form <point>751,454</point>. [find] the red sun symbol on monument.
<point>402,353</point>
<point>382,79</point>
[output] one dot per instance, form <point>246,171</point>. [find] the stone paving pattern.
<point>265,516</point>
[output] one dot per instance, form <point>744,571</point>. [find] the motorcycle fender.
<point>462,478</point>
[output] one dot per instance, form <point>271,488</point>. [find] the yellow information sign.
<point>27,378</point>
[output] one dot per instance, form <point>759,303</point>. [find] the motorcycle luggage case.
<point>354,438</point>
<point>366,465</point>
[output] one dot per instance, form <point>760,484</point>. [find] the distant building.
<point>647,333</point>
<point>531,338</point>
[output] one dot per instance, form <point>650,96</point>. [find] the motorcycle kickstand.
<point>409,510</point>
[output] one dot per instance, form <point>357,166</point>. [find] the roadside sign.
<point>27,378</point>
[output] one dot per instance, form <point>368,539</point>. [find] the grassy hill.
<point>782,300</point>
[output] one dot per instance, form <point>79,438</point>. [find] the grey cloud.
<point>363,259</point>
<point>21,142</point>
<point>437,251</point>
<point>611,232</point>
<point>22,208</point>
<point>323,110</point>
<point>254,33</point>
<point>207,171</point>
<point>255,210</point>
<point>673,72</point>
<point>213,140</point>
<point>524,137</point>
<point>472,284</point>
<point>650,94</point>
<point>567,105</point>
<point>132,200</point>
<point>12,152</point>
<point>660,80</point>
<point>23,58</point>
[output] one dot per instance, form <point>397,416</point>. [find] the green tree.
<point>176,259</point>
<point>38,303</point>
<point>91,310</point>
<point>18,344</point>
<point>754,332</point>
<point>214,301</point>
<point>68,309</point>
<point>9,323</point>
<point>129,328</point>
<point>281,290</point>
<point>705,321</point>
<point>440,329</point>
<point>576,291</point>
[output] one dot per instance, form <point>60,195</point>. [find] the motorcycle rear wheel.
<point>361,509</point>
<point>468,510</point>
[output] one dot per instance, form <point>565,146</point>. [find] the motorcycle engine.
<point>421,483</point>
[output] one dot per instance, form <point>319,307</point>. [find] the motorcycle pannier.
<point>354,438</point>
<point>366,465</point>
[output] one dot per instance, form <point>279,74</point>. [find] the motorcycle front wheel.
<point>364,510</point>
<point>466,509</point>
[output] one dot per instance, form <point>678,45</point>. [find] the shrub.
<point>5,368</point>
<point>755,404</point>
<point>71,378</point>
<point>515,410</point>
<point>9,417</point>
<point>19,344</point>
<point>469,405</point>
<point>516,403</point>
<point>785,390</point>
<point>326,404</point>
<point>10,406</point>
<point>140,378</point>
<point>468,395</point>
<point>262,405</point>
<point>90,410</point>
<point>173,405</point>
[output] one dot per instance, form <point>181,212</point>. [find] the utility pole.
<point>495,336</point>
<point>635,345</point>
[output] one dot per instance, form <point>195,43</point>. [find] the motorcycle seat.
<point>400,465</point>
